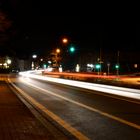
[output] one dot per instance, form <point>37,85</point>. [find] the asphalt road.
<point>83,113</point>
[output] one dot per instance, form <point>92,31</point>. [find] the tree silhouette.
<point>6,33</point>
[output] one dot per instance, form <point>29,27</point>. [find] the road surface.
<point>82,113</point>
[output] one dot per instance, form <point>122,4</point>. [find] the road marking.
<point>87,107</point>
<point>64,124</point>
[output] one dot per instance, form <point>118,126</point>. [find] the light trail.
<point>121,91</point>
<point>44,91</point>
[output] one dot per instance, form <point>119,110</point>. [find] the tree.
<point>6,32</point>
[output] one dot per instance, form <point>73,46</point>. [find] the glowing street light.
<point>34,56</point>
<point>57,50</point>
<point>65,40</point>
<point>9,61</point>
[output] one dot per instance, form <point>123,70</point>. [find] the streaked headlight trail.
<point>121,91</point>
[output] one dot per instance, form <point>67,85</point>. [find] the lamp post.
<point>57,57</point>
<point>108,68</point>
<point>64,45</point>
<point>8,62</point>
<point>62,54</point>
<point>33,62</point>
<point>117,66</point>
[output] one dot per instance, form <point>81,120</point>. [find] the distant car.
<point>15,71</point>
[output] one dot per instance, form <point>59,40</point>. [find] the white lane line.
<point>64,124</point>
<point>85,106</point>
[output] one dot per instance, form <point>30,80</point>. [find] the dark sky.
<point>37,27</point>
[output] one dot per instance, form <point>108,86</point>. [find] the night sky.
<point>34,27</point>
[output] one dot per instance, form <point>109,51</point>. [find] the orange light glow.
<point>65,40</point>
<point>57,50</point>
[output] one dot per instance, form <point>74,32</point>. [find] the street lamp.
<point>65,40</point>
<point>57,51</point>
<point>9,61</point>
<point>58,57</point>
<point>33,62</point>
<point>34,56</point>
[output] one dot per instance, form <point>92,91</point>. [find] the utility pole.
<point>100,61</point>
<point>108,66</point>
<point>118,55</point>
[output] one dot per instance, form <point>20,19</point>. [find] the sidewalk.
<point>16,120</point>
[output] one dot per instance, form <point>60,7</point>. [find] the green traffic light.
<point>72,49</point>
<point>117,66</point>
<point>98,66</point>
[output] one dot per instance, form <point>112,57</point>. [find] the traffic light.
<point>97,66</point>
<point>72,49</point>
<point>117,66</point>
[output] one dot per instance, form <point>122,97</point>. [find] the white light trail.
<point>121,91</point>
